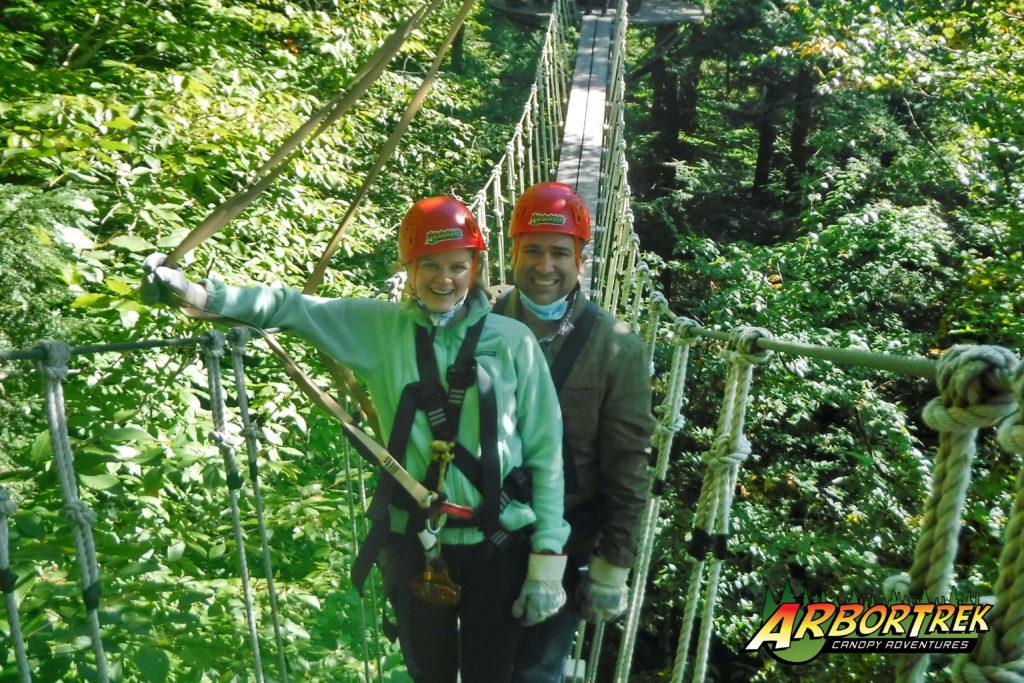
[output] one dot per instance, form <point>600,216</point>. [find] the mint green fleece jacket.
<point>376,339</point>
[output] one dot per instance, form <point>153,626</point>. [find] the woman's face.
<point>441,280</point>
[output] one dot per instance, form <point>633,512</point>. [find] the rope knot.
<point>56,354</point>
<point>898,584</point>
<point>225,442</point>
<point>213,340</point>
<point>668,422</point>
<point>743,345</point>
<point>974,387</point>
<point>254,431</point>
<point>727,451</point>
<point>1011,431</point>
<point>686,329</point>
<point>79,513</point>
<point>7,506</point>
<point>239,337</point>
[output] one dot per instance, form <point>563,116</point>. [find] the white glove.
<point>542,594</point>
<point>169,285</point>
<point>602,594</point>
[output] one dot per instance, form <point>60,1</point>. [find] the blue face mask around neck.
<point>552,311</point>
<point>442,319</point>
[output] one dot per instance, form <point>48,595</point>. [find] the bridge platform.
<point>651,12</point>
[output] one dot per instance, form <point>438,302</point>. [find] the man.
<point>600,370</point>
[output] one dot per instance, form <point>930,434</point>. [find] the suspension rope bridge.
<point>978,387</point>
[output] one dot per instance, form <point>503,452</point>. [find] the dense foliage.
<point>847,174</point>
<point>841,173</point>
<point>122,125</point>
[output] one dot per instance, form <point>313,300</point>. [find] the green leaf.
<point>116,145</point>
<point>175,551</point>
<point>123,434</point>
<point>100,482</point>
<point>29,524</point>
<point>118,287</point>
<point>90,300</point>
<point>121,122</point>
<point>42,449</point>
<point>132,243</point>
<point>148,455</point>
<point>153,664</point>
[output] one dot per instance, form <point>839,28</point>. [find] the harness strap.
<point>443,411</point>
<point>490,464</point>
<point>573,345</point>
<point>502,302</point>
<point>560,368</point>
<point>387,490</point>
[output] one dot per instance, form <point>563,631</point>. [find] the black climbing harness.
<point>443,410</point>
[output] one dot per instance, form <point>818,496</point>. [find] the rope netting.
<point>978,387</point>
<point>531,154</point>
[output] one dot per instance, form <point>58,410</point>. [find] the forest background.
<point>842,173</point>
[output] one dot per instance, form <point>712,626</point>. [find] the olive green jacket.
<point>606,411</point>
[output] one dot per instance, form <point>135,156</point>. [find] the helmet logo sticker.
<point>547,219</point>
<point>435,236</point>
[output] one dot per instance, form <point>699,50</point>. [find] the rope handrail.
<point>918,366</point>
<point>39,353</point>
<point>531,154</point>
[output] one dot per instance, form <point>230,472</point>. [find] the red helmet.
<point>437,224</point>
<point>551,207</point>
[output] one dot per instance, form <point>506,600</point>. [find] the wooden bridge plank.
<point>579,163</point>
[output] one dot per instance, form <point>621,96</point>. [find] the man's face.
<point>545,267</point>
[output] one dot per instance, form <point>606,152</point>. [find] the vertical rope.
<point>974,388</point>
<point>238,338</point>
<point>7,583</point>
<point>529,138</point>
<point>1000,654</point>
<point>214,350</point>
<point>595,652</point>
<point>356,533</point>
<point>711,523</point>
<point>54,368</point>
<point>670,420</point>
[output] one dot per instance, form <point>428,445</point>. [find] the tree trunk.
<point>768,132</point>
<point>799,150</point>
<point>689,97</point>
<point>666,106</point>
<point>459,51</point>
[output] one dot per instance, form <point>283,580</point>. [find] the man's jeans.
<point>544,647</point>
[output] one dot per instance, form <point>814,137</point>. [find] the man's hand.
<point>169,285</point>
<point>542,594</point>
<point>602,594</point>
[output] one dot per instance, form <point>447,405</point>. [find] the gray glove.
<point>542,594</point>
<point>602,594</point>
<point>169,285</point>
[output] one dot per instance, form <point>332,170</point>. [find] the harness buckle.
<point>461,377</point>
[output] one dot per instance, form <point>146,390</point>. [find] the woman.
<point>466,401</point>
